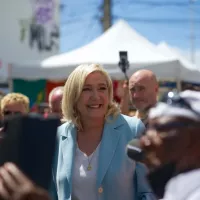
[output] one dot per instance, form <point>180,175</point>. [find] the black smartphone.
<point>29,142</point>
<point>123,62</point>
<point>123,55</point>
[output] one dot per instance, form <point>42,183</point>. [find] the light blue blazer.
<point>118,177</point>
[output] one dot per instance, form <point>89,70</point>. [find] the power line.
<point>162,20</point>
<point>158,3</point>
<point>80,19</point>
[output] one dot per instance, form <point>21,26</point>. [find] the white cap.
<point>192,98</point>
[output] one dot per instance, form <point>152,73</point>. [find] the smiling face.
<point>94,99</point>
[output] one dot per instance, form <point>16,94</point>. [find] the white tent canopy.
<point>168,51</point>
<point>105,50</point>
<point>192,74</point>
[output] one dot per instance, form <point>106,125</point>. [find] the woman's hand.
<point>14,185</point>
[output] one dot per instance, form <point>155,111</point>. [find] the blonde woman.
<point>90,161</point>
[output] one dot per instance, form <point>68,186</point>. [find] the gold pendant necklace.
<point>89,167</point>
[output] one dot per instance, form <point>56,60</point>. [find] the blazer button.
<point>100,190</point>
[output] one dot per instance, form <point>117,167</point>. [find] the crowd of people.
<point>90,160</point>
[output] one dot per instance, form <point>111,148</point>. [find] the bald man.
<point>55,98</point>
<point>143,89</point>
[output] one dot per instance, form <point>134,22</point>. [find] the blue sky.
<point>157,20</point>
<point>80,22</point>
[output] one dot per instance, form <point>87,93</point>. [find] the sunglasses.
<point>175,100</point>
<point>8,112</point>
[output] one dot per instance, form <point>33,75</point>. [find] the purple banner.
<point>44,11</point>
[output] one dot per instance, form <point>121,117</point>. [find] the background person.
<point>143,90</point>
<point>55,99</point>
<point>14,103</point>
<point>171,146</point>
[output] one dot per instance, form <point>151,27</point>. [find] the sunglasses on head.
<point>174,99</point>
<point>8,112</point>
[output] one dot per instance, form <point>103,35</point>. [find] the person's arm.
<point>16,186</point>
<point>143,190</point>
<point>124,103</point>
<point>142,187</point>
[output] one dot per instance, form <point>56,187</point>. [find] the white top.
<point>185,186</point>
<point>84,180</point>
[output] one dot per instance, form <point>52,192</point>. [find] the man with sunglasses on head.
<point>170,147</point>
<point>14,104</point>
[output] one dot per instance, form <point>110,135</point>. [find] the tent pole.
<point>106,20</point>
<point>10,80</point>
<point>178,85</point>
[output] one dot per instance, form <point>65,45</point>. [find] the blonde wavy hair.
<point>15,98</point>
<point>73,89</point>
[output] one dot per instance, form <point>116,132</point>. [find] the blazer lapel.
<point>68,147</point>
<point>108,147</point>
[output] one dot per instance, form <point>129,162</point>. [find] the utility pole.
<point>192,32</point>
<point>106,20</point>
